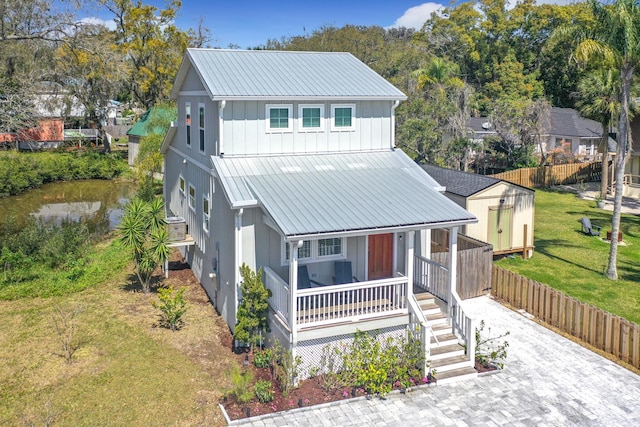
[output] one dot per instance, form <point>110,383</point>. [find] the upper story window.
<point>192,197</point>
<point>310,117</point>
<point>279,118</point>
<point>201,124</point>
<point>187,122</point>
<point>343,117</point>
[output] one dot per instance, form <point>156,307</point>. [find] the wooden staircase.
<point>448,357</point>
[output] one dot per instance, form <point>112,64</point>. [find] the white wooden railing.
<point>420,330</point>
<point>463,326</point>
<point>280,301</point>
<point>352,302</point>
<point>431,276</point>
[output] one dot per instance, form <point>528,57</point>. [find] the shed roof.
<point>463,183</point>
<point>325,194</point>
<point>265,74</point>
<point>139,128</point>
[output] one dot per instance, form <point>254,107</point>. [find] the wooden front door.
<point>380,256</point>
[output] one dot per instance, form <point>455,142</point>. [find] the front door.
<point>500,227</point>
<point>380,256</point>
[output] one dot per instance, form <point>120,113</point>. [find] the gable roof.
<point>338,194</point>
<point>463,183</point>
<point>139,128</point>
<point>268,74</point>
<point>569,122</point>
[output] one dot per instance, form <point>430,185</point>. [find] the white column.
<point>293,290</point>
<point>409,243</point>
<point>238,256</point>
<point>425,243</point>
<point>453,262</point>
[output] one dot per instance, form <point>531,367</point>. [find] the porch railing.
<point>348,302</point>
<point>432,277</point>
<point>632,180</point>
<point>280,300</point>
<point>463,326</point>
<point>419,330</point>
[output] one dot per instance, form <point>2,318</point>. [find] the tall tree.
<point>616,41</point>
<point>598,98</point>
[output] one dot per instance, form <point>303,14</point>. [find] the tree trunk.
<point>604,149</point>
<point>621,157</point>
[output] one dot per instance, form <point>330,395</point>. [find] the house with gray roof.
<point>505,211</point>
<point>286,162</point>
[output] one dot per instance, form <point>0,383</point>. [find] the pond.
<point>97,202</point>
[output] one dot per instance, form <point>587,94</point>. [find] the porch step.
<point>429,308</point>
<point>441,329</point>
<point>456,375</point>
<point>450,363</point>
<point>443,339</point>
<point>446,351</point>
<point>436,319</point>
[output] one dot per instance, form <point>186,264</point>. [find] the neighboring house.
<point>632,170</point>
<point>140,129</point>
<point>504,210</point>
<point>48,134</point>
<point>285,162</point>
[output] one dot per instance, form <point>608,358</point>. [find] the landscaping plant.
<point>240,384</point>
<point>172,306</point>
<point>264,391</point>
<point>253,308</point>
<point>490,350</point>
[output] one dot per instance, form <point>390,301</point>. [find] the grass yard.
<point>574,263</point>
<point>126,370</point>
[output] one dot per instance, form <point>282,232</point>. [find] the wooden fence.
<point>605,331</point>
<point>547,176</point>
<point>475,259</point>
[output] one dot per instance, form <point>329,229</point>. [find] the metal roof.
<point>324,194</point>
<point>265,74</point>
<point>463,183</point>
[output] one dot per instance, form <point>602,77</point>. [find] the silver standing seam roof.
<point>333,194</point>
<point>254,74</point>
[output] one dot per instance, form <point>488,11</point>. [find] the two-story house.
<point>286,161</point>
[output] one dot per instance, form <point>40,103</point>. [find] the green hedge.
<point>21,171</point>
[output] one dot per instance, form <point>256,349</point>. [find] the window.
<point>205,212</point>
<point>343,117</point>
<point>181,185</point>
<point>310,117</point>
<point>192,197</point>
<point>329,247</point>
<point>279,118</point>
<point>201,124</point>
<point>187,122</point>
<point>317,250</point>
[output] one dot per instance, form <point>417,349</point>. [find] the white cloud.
<point>415,17</point>
<point>92,20</point>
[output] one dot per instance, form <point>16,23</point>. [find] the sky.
<point>250,23</point>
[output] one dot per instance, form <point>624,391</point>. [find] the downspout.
<point>393,123</point>
<point>237,261</point>
<point>223,104</point>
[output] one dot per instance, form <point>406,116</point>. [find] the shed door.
<point>380,256</point>
<point>500,230</point>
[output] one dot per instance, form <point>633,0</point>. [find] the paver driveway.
<point>548,381</point>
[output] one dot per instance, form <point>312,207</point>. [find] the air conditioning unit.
<point>177,228</point>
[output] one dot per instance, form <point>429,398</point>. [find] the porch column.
<point>409,243</point>
<point>453,262</point>
<point>425,251</point>
<point>238,255</point>
<point>293,290</point>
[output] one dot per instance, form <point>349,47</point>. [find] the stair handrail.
<point>423,324</point>
<point>463,326</point>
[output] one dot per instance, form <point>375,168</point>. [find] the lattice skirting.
<point>311,351</point>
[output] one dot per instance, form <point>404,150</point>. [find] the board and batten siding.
<point>245,130</point>
<point>520,199</point>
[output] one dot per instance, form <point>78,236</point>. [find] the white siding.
<point>245,130</point>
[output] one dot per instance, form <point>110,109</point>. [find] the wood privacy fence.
<point>475,259</point>
<point>548,176</point>
<point>603,330</point>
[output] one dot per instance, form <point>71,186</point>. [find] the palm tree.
<point>599,99</point>
<point>616,41</point>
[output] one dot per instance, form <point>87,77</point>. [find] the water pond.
<point>97,202</point>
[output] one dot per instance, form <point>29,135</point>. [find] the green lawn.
<point>572,262</point>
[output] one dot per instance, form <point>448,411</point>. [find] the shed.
<point>141,129</point>
<point>505,211</point>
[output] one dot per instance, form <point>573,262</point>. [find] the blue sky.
<point>250,23</point>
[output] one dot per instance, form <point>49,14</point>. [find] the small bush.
<point>264,391</point>
<point>263,358</point>
<point>490,350</point>
<point>172,305</point>
<point>240,384</point>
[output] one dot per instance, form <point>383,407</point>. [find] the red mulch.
<point>485,368</point>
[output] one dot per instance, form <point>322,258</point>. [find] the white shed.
<point>505,211</point>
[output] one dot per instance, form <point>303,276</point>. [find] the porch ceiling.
<point>339,193</point>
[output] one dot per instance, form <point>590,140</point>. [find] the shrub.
<point>264,391</point>
<point>263,358</point>
<point>241,384</point>
<point>286,368</point>
<point>490,350</point>
<point>253,308</point>
<point>172,306</point>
